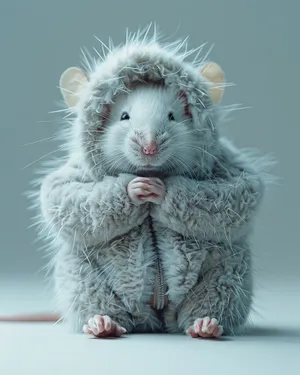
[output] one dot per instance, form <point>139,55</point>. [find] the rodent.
<point>151,213</point>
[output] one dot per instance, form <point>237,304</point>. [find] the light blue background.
<point>257,44</point>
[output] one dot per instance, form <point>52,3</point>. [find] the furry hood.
<point>90,93</point>
<point>137,63</point>
<point>143,60</point>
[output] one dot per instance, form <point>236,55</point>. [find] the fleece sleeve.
<point>216,209</point>
<point>76,207</point>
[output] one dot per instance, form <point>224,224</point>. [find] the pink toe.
<point>120,330</point>
<point>101,324</point>
<point>212,326</point>
<point>206,322</point>
<point>198,325</point>
<point>107,323</point>
<point>218,331</point>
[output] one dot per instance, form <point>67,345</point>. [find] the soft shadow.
<point>263,333</point>
<point>260,332</point>
<point>107,338</point>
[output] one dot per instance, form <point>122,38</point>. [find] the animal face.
<point>148,129</point>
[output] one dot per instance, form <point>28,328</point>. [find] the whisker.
<point>42,157</point>
<point>39,141</point>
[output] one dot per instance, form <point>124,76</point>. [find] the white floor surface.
<point>271,347</point>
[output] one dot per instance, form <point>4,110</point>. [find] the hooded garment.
<point>151,267</point>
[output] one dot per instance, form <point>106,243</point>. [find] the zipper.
<point>159,287</point>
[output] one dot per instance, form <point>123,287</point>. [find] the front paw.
<point>157,191</point>
<point>205,328</point>
<point>142,190</point>
<point>103,326</point>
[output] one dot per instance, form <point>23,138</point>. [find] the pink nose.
<point>150,149</point>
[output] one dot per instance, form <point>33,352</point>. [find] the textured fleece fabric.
<point>104,260</point>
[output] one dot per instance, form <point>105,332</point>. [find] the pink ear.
<point>183,98</point>
<point>104,117</point>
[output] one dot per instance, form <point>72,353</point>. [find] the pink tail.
<point>30,318</point>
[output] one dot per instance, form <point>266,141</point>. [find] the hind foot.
<point>103,326</point>
<point>205,328</point>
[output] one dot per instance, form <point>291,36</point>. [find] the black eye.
<point>125,116</point>
<point>171,116</point>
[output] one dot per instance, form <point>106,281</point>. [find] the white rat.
<point>151,213</point>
